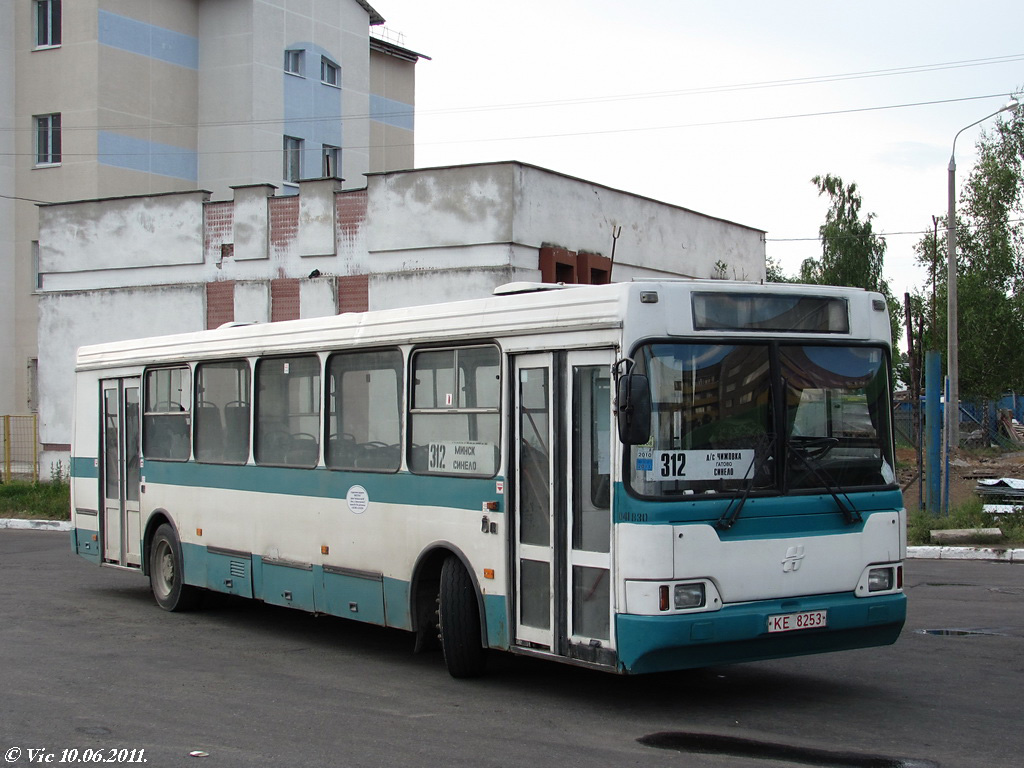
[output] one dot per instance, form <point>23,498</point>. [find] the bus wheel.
<point>166,574</point>
<point>459,621</point>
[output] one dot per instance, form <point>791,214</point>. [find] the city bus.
<point>635,477</point>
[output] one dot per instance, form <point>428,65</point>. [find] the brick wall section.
<point>353,293</point>
<point>218,219</point>
<point>560,265</point>
<point>284,299</point>
<point>220,303</point>
<point>350,214</point>
<point>284,222</point>
<point>557,265</point>
<point>593,268</point>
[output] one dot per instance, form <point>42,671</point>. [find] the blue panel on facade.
<point>135,154</point>
<point>312,109</point>
<point>147,40</point>
<point>390,112</point>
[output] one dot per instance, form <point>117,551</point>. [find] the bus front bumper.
<point>739,633</point>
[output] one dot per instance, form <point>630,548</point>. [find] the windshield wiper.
<point>730,515</point>
<point>850,514</point>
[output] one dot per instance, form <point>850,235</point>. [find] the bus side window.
<point>222,412</point>
<point>288,411</point>
<point>166,431</point>
<point>364,410</point>
<point>455,421</point>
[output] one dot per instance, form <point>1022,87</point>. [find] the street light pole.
<point>952,346</point>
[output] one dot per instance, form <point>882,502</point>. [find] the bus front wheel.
<point>459,621</point>
<point>166,573</point>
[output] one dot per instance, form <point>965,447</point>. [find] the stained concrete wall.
<point>139,266</point>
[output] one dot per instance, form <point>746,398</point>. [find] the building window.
<point>47,139</point>
<point>330,73</point>
<point>47,23</point>
<point>293,62</point>
<point>331,161</point>
<point>292,159</point>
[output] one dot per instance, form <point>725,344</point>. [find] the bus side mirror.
<point>633,406</point>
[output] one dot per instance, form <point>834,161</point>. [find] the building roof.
<point>375,18</point>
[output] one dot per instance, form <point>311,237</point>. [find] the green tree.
<point>851,253</point>
<point>990,265</point>
<point>774,273</point>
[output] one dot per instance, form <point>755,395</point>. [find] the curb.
<point>993,554</point>
<point>35,525</point>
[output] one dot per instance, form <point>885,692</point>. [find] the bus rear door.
<point>120,479</point>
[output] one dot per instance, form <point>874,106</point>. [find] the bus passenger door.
<point>589,448</point>
<point>535,478</point>
<point>562,454</point>
<point>120,529</point>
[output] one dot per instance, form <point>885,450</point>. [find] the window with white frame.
<point>293,61</point>
<point>47,23</point>
<point>292,159</point>
<point>330,73</point>
<point>331,161</point>
<point>47,139</point>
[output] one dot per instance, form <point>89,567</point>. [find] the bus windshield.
<point>718,411</point>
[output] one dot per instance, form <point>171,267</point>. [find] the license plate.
<point>789,622</point>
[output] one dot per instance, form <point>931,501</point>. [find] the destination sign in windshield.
<point>732,464</point>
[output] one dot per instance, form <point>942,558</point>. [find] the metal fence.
<point>20,448</point>
<point>987,423</point>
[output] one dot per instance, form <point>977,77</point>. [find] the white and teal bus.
<point>632,477</point>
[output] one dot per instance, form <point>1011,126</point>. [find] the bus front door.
<point>563,448</point>
<point>120,479</point>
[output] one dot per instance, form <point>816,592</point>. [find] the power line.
<point>568,134</point>
<point>697,91</point>
<point>853,235</point>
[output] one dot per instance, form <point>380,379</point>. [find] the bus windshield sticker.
<point>461,458</point>
<point>358,499</point>
<point>645,456</point>
<point>733,464</point>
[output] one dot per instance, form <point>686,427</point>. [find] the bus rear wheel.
<point>459,621</point>
<point>166,573</point>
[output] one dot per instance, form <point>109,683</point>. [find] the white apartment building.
<point>111,98</point>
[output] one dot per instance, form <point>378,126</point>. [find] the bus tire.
<point>166,573</point>
<point>459,621</point>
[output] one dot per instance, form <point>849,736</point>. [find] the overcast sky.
<point>724,107</point>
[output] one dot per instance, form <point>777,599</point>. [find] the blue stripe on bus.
<point>398,488</point>
<point>84,467</point>
<point>384,601</point>
<point>739,633</point>
<point>767,516</point>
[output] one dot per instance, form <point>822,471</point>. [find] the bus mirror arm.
<point>633,408</point>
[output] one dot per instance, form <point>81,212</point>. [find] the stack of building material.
<point>1006,494</point>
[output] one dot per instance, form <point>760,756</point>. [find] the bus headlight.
<point>688,596</point>
<point>880,579</point>
<point>658,598</point>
